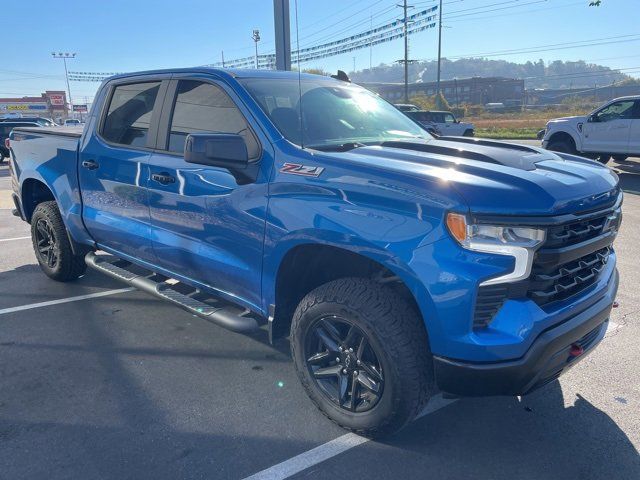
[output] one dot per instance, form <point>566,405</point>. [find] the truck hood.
<point>496,177</point>
<point>572,120</point>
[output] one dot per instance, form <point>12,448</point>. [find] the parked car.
<point>445,123</point>
<point>5,129</point>
<point>612,130</point>
<point>42,121</point>
<point>72,122</point>
<point>406,107</point>
<point>398,264</point>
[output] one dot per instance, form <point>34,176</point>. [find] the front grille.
<point>561,282</point>
<point>572,258</point>
<point>575,232</point>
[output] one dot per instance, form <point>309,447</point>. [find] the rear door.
<point>113,167</point>
<point>208,227</point>
<point>608,129</point>
<point>634,133</point>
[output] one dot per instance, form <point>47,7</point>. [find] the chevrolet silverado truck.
<point>399,265</point>
<point>612,130</point>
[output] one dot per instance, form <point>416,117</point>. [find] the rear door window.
<point>202,107</point>
<point>129,115</point>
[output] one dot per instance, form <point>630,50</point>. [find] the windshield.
<point>333,114</point>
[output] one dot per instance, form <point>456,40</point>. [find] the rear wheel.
<point>468,133</point>
<point>362,354</point>
<point>52,246</point>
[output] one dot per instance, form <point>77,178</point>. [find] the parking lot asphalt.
<point>124,386</point>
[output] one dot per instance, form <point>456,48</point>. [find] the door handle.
<point>163,178</point>
<point>90,164</point>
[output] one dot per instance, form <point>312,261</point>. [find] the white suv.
<point>613,130</point>
<point>444,122</point>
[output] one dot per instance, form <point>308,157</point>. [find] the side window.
<point>636,113</point>
<point>129,114</point>
<point>448,118</point>
<point>205,108</point>
<point>615,111</point>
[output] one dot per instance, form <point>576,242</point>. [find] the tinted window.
<point>615,111</point>
<point>129,114</point>
<point>205,108</point>
<point>448,118</point>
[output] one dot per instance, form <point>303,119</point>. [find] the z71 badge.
<point>304,170</point>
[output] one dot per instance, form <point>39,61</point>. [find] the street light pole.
<point>64,57</point>
<point>256,39</point>
<point>439,48</point>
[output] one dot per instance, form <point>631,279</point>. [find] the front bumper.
<point>547,358</point>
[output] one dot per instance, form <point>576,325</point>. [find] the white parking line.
<point>330,449</point>
<point>65,300</point>
<point>11,239</point>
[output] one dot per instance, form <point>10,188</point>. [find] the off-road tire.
<point>396,332</point>
<point>468,133</point>
<point>68,266</point>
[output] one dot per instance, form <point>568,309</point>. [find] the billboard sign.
<point>80,108</point>
<point>56,99</point>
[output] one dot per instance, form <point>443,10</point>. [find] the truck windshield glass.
<point>333,114</point>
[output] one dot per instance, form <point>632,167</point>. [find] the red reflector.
<point>616,304</point>
<point>576,350</point>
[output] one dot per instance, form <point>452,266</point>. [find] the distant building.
<point>51,104</point>
<point>596,94</point>
<point>474,91</point>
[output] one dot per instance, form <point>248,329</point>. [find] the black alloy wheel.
<point>343,364</point>
<point>48,249</point>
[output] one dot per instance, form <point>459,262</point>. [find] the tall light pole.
<point>256,39</point>
<point>439,48</point>
<point>64,57</point>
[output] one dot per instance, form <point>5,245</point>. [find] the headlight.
<point>518,242</point>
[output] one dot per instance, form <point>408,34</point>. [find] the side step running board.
<point>194,301</point>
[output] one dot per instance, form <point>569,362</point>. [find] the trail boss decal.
<point>304,170</point>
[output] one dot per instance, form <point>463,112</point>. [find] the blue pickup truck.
<point>398,264</point>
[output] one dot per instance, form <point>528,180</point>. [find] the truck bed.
<point>75,132</point>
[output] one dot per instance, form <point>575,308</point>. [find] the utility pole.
<point>354,64</point>
<point>282,34</point>
<point>406,60</point>
<point>222,51</point>
<point>256,39</point>
<point>439,48</point>
<point>64,57</point>
<point>370,46</point>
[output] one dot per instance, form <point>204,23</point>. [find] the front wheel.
<point>361,352</point>
<point>52,246</point>
<point>562,146</point>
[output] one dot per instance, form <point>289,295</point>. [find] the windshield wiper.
<point>337,147</point>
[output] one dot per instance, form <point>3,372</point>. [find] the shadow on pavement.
<point>629,173</point>
<point>504,438</point>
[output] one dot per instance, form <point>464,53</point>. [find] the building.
<point>595,95</point>
<point>51,104</point>
<point>473,91</point>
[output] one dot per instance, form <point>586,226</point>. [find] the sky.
<point>131,35</point>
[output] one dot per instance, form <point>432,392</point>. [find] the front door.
<point>113,169</point>
<point>607,130</point>
<point>206,226</point>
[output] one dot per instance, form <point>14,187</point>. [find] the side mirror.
<point>226,150</point>
<point>593,118</point>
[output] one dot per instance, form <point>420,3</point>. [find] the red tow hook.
<point>576,350</point>
<point>616,304</point>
